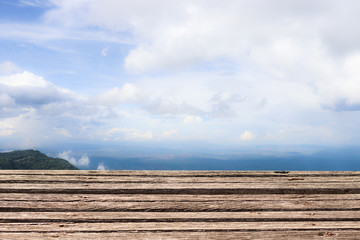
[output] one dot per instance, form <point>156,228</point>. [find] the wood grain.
<point>179,205</point>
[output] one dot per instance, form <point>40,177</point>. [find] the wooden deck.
<point>179,205</point>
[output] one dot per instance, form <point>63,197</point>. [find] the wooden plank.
<point>183,188</point>
<point>172,174</point>
<point>180,206</point>
<point>215,235</point>
<point>176,185</point>
<point>178,226</point>
<point>294,216</point>
<point>58,179</point>
<point>172,198</point>
<point>181,173</point>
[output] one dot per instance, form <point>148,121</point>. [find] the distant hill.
<point>33,160</point>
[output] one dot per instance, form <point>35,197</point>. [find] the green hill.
<point>32,160</point>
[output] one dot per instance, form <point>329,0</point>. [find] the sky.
<point>159,73</point>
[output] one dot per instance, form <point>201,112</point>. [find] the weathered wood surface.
<point>179,205</point>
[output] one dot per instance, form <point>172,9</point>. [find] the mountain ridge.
<point>32,160</point>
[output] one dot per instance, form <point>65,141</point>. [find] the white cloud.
<point>29,89</point>
<point>25,79</point>
<point>350,87</point>
<point>183,39</point>
<point>8,67</point>
<point>83,161</point>
<point>63,132</point>
<point>6,128</point>
<point>247,135</point>
<point>35,3</point>
<point>192,119</point>
<point>44,34</point>
<point>279,39</point>
<point>18,124</point>
<point>105,51</point>
<point>6,100</point>
<point>128,93</point>
<point>160,106</point>
<point>101,167</point>
<point>66,155</point>
<point>130,134</point>
<point>169,133</point>
<point>236,64</point>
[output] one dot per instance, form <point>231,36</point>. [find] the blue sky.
<point>162,73</point>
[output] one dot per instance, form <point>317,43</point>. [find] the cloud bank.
<point>200,70</point>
